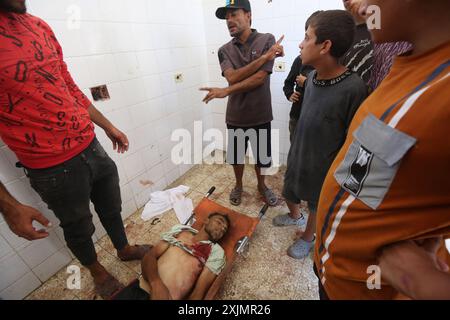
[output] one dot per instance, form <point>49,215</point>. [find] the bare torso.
<point>178,269</point>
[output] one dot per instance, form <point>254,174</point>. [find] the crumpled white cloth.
<point>163,201</point>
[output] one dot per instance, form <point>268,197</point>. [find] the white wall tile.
<point>134,91</point>
<point>8,172</point>
<point>147,62</point>
<point>133,165</point>
<point>156,173</point>
<point>126,192</point>
<point>22,191</point>
<point>120,37</point>
<point>5,248</point>
<point>36,252</point>
<point>103,69</point>
<point>21,288</point>
<point>100,231</point>
<point>127,65</point>
<point>128,208</point>
<point>52,264</point>
<point>12,269</point>
<point>13,240</point>
<point>80,72</point>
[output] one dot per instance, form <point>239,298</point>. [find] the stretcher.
<point>235,242</point>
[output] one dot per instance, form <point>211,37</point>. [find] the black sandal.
<point>236,197</point>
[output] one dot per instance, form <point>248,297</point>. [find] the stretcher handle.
<point>263,211</point>
<point>210,192</point>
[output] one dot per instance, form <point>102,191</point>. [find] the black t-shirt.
<point>290,84</point>
<point>328,109</point>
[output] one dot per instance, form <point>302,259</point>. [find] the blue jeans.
<point>68,188</point>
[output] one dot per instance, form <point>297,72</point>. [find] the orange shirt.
<point>391,180</point>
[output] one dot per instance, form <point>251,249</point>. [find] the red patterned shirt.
<point>44,116</point>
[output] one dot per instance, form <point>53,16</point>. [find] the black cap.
<point>233,4</point>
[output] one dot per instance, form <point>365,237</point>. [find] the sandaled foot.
<point>108,287</point>
<point>236,197</point>
<point>269,196</point>
<point>132,253</point>
<point>300,249</point>
<point>285,220</point>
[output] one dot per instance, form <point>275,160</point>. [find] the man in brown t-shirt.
<point>247,62</point>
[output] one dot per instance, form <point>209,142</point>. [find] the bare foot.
<point>299,234</point>
<point>131,253</point>
<point>105,284</point>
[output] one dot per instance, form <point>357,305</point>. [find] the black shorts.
<point>260,141</point>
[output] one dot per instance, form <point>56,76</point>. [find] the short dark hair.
<point>338,26</point>
<point>308,22</point>
<point>218,214</point>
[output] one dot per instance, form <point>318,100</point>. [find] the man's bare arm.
<point>202,285</point>
<point>118,138</point>
<point>247,85</point>
<point>235,76</point>
<point>20,217</point>
<point>150,272</point>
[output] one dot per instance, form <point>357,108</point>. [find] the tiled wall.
<point>135,47</point>
<point>278,17</point>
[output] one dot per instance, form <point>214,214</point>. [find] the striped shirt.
<point>359,59</point>
<point>384,54</point>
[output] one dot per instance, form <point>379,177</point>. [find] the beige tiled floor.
<point>264,272</point>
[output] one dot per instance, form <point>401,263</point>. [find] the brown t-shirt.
<point>254,107</point>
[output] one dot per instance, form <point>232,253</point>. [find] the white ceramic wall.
<point>278,17</point>
<point>135,47</point>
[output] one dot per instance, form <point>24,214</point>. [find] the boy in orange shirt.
<point>390,181</point>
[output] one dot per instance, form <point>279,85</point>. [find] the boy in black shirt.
<point>332,96</point>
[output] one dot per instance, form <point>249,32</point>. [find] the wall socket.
<point>178,77</point>
<point>280,66</point>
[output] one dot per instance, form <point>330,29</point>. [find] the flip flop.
<point>236,197</point>
<point>300,249</point>
<point>285,220</point>
<point>109,288</point>
<point>270,197</point>
<point>140,253</point>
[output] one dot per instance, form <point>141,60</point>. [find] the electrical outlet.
<point>179,78</point>
<point>280,66</point>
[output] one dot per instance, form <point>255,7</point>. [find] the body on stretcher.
<point>236,242</point>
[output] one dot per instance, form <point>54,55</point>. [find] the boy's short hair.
<point>308,22</point>
<point>338,26</point>
<point>218,214</point>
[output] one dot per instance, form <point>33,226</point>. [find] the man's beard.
<point>13,7</point>
<point>211,236</point>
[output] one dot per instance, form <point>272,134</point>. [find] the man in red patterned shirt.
<point>48,123</point>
